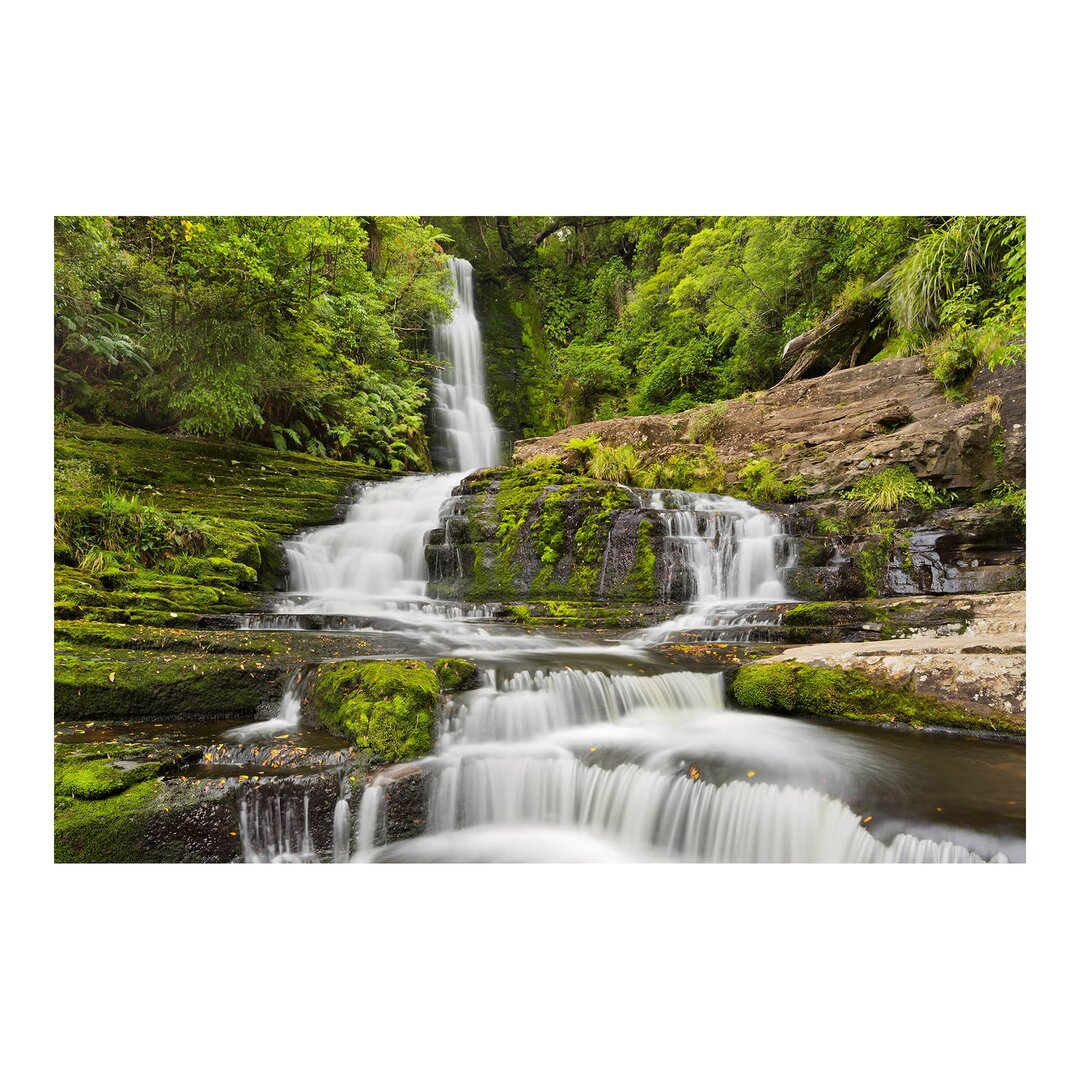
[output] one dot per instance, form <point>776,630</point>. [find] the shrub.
<point>616,464</point>
<point>887,489</point>
<point>760,481</point>
<point>1015,498</point>
<point>581,450</point>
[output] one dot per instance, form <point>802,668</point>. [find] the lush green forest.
<point>306,333</point>
<point>312,333</point>
<point>656,314</point>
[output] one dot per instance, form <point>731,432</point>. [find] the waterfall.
<point>651,815</point>
<point>286,719</point>
<point>590,753</point>
<point>733,553</point>
<point>274,829</point>
<point>374,561</point>
<point>466,435</point>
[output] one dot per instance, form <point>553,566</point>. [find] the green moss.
<point>542,516</point>
<point>831,614</point>
<point>104,830</point>
<point>792,687</point>
<point>387,706</point>
<point>176,523</point>
<point>130,683</point>
<point>641,580</point>
<point>97,778</point>
<point>453,673</point>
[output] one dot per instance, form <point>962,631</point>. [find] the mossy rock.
<point>833,694</point>
<point>104,830</point>
<point>132,683</point>
<point>387,706</point>
<point>454,673</point>
<point>212,571</point>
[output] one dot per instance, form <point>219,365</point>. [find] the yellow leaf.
<point>112,676</point>
<point>752,772</point>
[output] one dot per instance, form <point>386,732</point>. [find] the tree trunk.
<point>838,341</point>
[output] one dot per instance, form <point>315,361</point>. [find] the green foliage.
<point>304,333</point>
<point>888,488</point>
<point>581,450</point>
<point>760,482</point>
<point>616,464</point>
<point>1015,498</point>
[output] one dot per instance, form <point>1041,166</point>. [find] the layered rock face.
<point>510,536</point>
<point>824,435</point>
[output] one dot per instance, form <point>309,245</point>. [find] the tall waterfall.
<point>374,561</point>
<point>466,435</point>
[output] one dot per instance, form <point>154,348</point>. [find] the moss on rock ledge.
<point>792,687</point>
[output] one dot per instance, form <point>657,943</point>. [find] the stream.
<point>602,747</point>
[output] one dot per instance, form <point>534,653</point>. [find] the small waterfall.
<point>369,819</point>
<point>532,704</point>
<point>286,719</point>
<point>341,830</point>
<point>733,552</point>
<point>467,438</point>
<point>675,818</point>
<point>274,829</point>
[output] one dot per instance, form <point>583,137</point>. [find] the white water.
<point>467,438</point>
<point>734,552</point>
<point>287,718</point>
<point>563,761</point>
<point>373,563</point>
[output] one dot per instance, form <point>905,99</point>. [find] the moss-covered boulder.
<point>544,534</point>
<point>387,706</point>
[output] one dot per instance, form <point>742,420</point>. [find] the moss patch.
<point>453,673</point>
<point>104,830</point>
<point>387,706</point>
<point>791,687</point>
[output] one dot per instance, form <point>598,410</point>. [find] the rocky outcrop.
<point>954,550</point>
<point>883,620</point>
<point>832,429</point>
<point>509,536</point>
<point>822,436</point>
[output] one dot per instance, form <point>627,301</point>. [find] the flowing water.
<point>575,749</point>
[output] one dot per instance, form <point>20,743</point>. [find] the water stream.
<point>574,749</point>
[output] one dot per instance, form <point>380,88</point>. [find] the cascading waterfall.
<point>563,761</point>
<point>550,758</point>
<point>466,435</point>
<point>373,563</point>
<point>734,553</point>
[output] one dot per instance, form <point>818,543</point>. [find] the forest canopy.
<point>312,333</point>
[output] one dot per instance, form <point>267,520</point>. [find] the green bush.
<point>616,464</point>
<point>887,489</point>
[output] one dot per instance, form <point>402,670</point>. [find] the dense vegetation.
<point>657,314</point>
<point>303,333</point>
<point>312,333</point>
